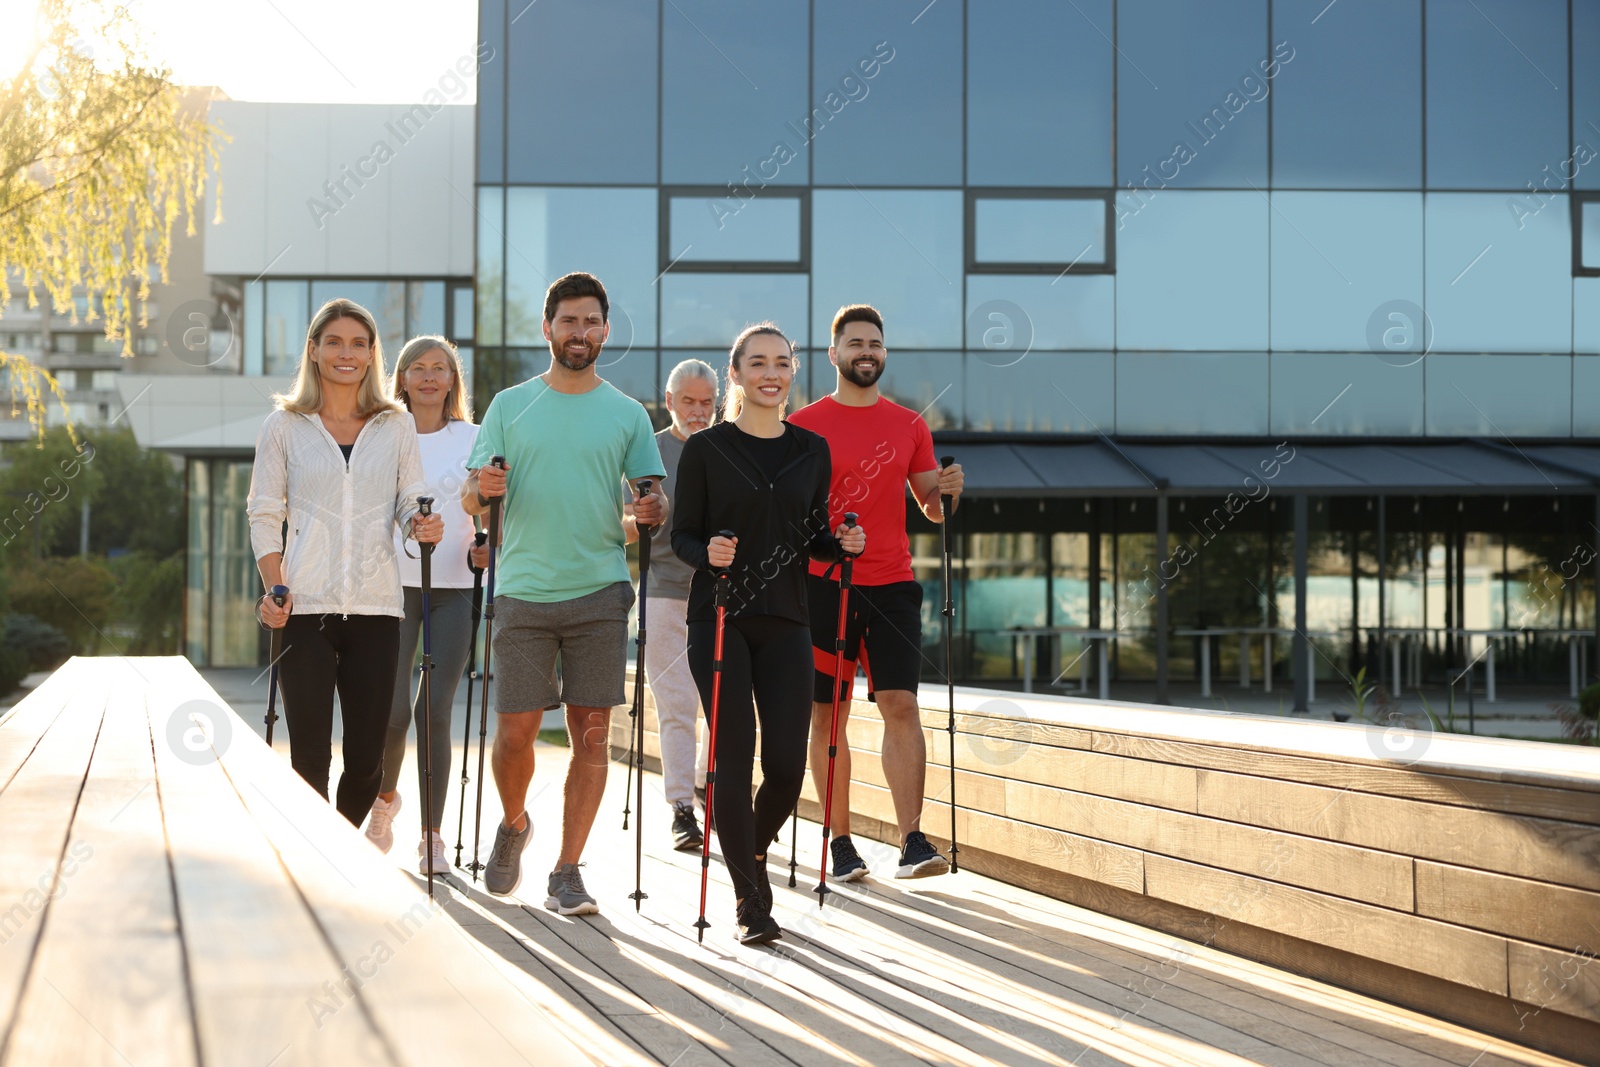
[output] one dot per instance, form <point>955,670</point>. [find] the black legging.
<point>355,654</point>
<point>768,659</point>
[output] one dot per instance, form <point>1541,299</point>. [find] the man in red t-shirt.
<point>877,448</point>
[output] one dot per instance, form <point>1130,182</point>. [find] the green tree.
<point>136,502</point>
<point>99,155</point>
<point>75,595</point>
<point>43,485</point>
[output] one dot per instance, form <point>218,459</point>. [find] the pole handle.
<point>279,594</point>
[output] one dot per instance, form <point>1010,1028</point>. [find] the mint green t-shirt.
<point>563,516</point>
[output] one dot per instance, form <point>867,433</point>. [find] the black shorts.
<point>883,631</point>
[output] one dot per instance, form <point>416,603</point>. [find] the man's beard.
<point>865,377</point>
<point>572,362</point>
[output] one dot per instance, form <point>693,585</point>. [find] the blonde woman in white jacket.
<point>337,469</point>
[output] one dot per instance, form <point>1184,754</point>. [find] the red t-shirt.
<point>874,450</point>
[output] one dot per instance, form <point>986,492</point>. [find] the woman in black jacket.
<point>766,481</point>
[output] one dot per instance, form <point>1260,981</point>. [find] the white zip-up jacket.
<point>339,556</point>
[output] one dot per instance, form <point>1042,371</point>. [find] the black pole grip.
<point>279,594</point>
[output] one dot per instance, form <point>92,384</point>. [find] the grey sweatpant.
<point>452,634</point>
<point>666,670</point>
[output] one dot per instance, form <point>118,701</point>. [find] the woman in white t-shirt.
<point>428,380</point>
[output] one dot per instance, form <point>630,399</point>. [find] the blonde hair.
<point>733,399</point>
<point>457,405</point>
<point>372,395</point>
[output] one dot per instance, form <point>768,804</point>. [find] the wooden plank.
<point>37,809</point>
<point>422,983</point>
<point>264,980</point>
<point>25,723</point>
<point>1544,979</point>
<point>1517,907</point>
<point>1380,878</point>
<point>1561,852</point>
<point>1420,944</point>
<point>108,984</point>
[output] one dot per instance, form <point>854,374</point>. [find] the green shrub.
<point>149,602</point>
<point>1589,703</point>
<point>42,646</point>
<point>13,668</point>
<point>73,594</point>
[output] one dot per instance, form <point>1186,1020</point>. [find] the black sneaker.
<point>756,924</point>
<point>848,866</point>
<point>685,827</point>
<point>920,859</point>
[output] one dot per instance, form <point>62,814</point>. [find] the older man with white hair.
<point>691,397</point>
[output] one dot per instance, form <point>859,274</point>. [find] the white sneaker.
<point>441,865</point>
<point>380,824</point>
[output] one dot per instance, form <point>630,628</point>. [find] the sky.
<point>339,51</point>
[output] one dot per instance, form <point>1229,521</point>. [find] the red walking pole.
<point>724,592</point>
<point>833,727</point>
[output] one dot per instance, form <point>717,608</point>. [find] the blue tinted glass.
<point>491,272</point>
<point>1039,103</point>
<point>1497,75</point>
<point>1040,231</point>
<point>1034,312</point>
<point>1493,287</point>
<point>491,91</point>
<point>1338,261</point>
<point>1586,396</point>
<point>899,250</point>
<point>424,309</point>
<point>1591,233</point>
<point>1586,316</point>
<point>634,371</point>
<point>1498,396</point>
<point>733,78</point>
<point>1347,113</point>
<point>886,93</point>
<point>255,299</point>
<point>1584,170</point>
<point>1045,392</point>
<point>461,313</point>
<point>765,229</point>
<point>386,301</point>
<point>1192,271</point>
<point>1191,92</point>
<point>1345,393</point>
<point>1191,392</point>
<point>611,233</point>
<point>927,382</point>
<point>708,310</point>
<point>582,92</point>
<point>286,320</point>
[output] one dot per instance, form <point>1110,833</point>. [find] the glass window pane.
<point>611,233</point>
<point>461,298</point>
<point>1192,392</point>
<point>197,561</point>
<point>385,300</point>
<point>709,310</point>
<point>286,320</point>
<point>887,91</point>
<point>1046,392</point>
<point>1497,75</point>
<point>634,372</point>
<point>491,275</point>
<point>1191,92</point>
<point>491,92</point>
<point>1585,98</point>
<point>1341,264</point>
<point>899,250</point>
<point>1345,393</point>
<point>1586,396</point>
<point>254,326</point>
<point>1039,103</point>
<point>1034,312</point>
<point>765,229</point>
<point>1492,287</point>
<point>606,132</point>
<point>424,309</point>
<point>733,92</point>
<point>1040,230</point>
<point>1498,396</point>
<point>468,366</point>
<point>1348,113</point>
<point>1192,271</point>
<point>1586,316</point>
<point>1590,241</point>
<point>932,383</point>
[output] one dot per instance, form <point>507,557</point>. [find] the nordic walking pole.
<point>794,843</point>
<point>945,504</point>
<point>425,507</point>
<point>275,652</point>
<point>724,593</point>
<point>833,727</point>
<point>488,648</point>
<point>472,673</point>
<point>636,727</point>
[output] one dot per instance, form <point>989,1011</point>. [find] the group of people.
<point>757,503</point>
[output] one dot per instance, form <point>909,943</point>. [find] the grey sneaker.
<point>504,872</point>
<point>567,895</point>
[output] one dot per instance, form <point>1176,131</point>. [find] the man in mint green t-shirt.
<point>562,587</point>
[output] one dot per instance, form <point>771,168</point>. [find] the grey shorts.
<point>569,652</point>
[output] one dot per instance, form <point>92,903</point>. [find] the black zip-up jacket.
<point>781,521</point>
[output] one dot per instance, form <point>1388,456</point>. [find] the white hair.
<point>691,368</point>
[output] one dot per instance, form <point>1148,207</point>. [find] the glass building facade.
<point>1158,220</point>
